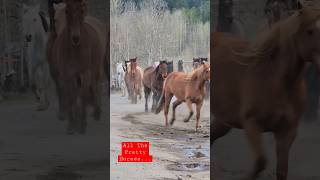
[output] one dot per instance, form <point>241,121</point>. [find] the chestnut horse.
<point>153,78</point>
<point>263,89</point>
<point>76,56</point>
<point>191,90</point>
<point>133,80</point>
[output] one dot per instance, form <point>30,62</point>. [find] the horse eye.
<point>34,20</point>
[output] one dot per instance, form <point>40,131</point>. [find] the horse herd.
<point>258,85</point>
<point>160,81</point>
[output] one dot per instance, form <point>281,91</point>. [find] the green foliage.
<point>195,10</point>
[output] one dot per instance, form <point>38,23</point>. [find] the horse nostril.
<point>75,39</point>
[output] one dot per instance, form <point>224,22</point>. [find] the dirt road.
<point>178,151</point>
<point>234,159</point>
<point>34,145</point>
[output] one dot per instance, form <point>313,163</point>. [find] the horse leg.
<point>61,103</point>
<point>44,103</point>
<point>198,109</point>
<point>167,100</point>
<point>284,140</point>
<point>219,130</point>
<point>189,105</point>
<point>146,96</point>
<point>154,101</point>
<point>254,136</point>
<point>96,93</point>
<point>71,119</point>
<point>174,106</point>
<point>82,116</point>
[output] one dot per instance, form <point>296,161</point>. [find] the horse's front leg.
<point>284,140</point>
<point>254,135</point>
<point>146,96</point>
<point>189,105</point>
<point>198,109</point>
<point>154,101</point>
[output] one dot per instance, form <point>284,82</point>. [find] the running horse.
<point>191,90</point>
<point>153,78</point>
<point>35,30</point>
<point>133,79</point>
<point>76,56</point>
<point>260,87</point>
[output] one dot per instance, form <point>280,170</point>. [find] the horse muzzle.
<point>75,40</point>
<point>165,75</point>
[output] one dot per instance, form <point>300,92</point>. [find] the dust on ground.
<point>34,144</point>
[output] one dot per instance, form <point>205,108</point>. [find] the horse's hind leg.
<point>174,106</point>
<point>167,100</point>
<point>254,136</point>
<point>189,105</point>
<point>284,140</point>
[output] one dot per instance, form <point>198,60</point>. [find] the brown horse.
<point>191,90</point>
<point>153,78</point>
<point>76,57</point>
<point>263,89</point>
<point>133,80</point>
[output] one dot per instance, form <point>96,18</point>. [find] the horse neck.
<point>197,82</point>
<point>287,68</point>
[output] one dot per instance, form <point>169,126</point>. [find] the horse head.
<point>75,13</point>
<point>170,66</point>
<point>205,71</point>
<point>305,26</point>
<point>162,69</point>
<point>133,66</point>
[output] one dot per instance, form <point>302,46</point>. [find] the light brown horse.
<point>133,80</point>
<point>153,78</point>
<point>77,57</point>
<point>263,89</point>
<point>186,87</point>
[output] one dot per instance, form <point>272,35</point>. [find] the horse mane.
<point>281,34</point>
<point>196,73</point>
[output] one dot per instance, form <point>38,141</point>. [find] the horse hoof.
<point>172,121</point>
<point>146,110</point>
<point>42,107</point>
<point>186,120</point>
